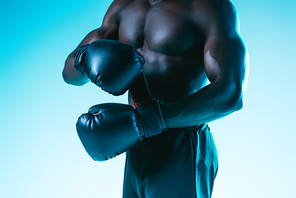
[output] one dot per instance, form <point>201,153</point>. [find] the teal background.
<point>40,153</point>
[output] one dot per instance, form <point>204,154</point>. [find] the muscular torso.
<point>165,34</point>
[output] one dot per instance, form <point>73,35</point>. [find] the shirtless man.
<point>180,45</point>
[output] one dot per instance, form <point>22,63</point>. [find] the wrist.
<point>150,119</point>
<point>78,62</point>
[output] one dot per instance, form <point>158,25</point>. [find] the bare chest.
<point>165,27</point>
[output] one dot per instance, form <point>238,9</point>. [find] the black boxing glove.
<point>110,129</point>
<point>110,64</point>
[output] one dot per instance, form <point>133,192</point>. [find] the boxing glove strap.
<point>140,92</point>
<point>150,119</point>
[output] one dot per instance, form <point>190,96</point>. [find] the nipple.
<point>166,47</point>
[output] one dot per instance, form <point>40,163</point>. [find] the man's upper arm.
<point>109,27</point>
<point>108,30</point>
<point>225,55</point>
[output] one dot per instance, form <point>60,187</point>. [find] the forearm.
<point>208,104</point>
<point>70,74</point>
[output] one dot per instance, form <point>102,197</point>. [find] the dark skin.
<point>184,43</point>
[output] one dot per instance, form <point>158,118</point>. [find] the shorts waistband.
<point>199,127</point>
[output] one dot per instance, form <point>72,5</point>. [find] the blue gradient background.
<point>40,153</point>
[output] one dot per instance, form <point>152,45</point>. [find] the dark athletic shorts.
<point>180,163</point>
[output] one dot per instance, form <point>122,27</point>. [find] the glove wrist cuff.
<point>150,119</point>
<point>79,58</point>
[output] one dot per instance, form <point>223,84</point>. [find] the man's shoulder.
<point>114,10</point>
<point>120,3</point>
<point>213,7</point>
<point>210,14</point>
<point>117,5</point>
<point>214,3</point>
